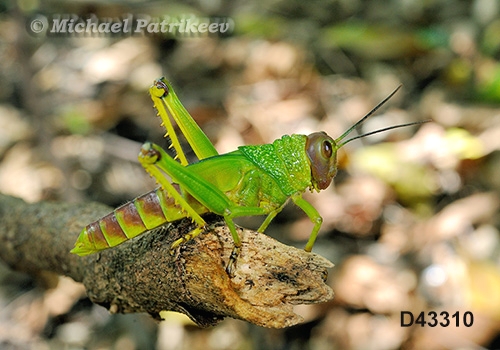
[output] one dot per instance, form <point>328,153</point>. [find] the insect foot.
<point>232,260</point>
<point>184,239</point>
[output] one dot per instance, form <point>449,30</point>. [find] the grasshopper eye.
<point>322,152</point>
<point>327,149</point>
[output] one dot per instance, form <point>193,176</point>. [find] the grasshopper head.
<point>321,150</point>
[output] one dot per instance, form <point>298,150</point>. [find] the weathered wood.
<point>142,276</point>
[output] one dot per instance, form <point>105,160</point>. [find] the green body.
<point>258,176</point>
<point>253,180</point>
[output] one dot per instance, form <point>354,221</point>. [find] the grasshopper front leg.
<point>313,215</point>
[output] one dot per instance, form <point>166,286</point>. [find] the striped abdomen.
<point>142,214</point>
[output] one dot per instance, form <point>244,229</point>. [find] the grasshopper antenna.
<point>369,114</point>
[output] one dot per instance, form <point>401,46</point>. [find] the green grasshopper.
<point>253,180</point>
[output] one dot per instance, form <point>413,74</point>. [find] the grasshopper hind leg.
<point>158,163</point>
<point>149,157</point>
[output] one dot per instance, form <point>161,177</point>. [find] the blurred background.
<point>411,222</point>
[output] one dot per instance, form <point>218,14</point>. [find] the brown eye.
<point>327,149</point>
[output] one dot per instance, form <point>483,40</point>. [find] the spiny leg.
<point>157,92</point>
<point>149,157</point>
<point>163,95</point>
<point>157,162</point>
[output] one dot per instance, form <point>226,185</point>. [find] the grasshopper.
<point>253,180</point>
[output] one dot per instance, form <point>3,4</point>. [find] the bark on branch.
<point>141,275</point>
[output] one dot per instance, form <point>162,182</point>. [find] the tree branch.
<point>141,276</point>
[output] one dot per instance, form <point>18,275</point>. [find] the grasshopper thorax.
<point>321,150</point>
